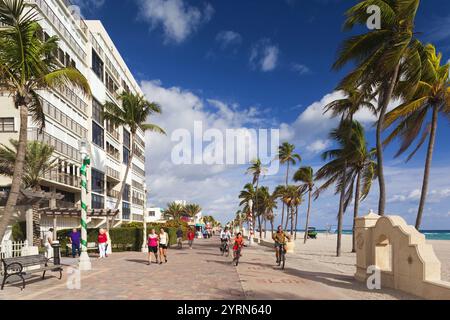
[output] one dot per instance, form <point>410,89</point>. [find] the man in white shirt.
<point>225,237</point>
<point>48,241</point>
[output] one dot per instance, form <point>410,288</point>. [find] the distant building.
<point>154,215</point>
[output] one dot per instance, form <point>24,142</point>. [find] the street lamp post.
<point>144,242</point>
<point>85,263</point>
<point>250,218</point>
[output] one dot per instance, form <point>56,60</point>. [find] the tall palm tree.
<point>287,155</point>
<point>28,65</point>
<point>306,176</point>
<point>382,57</point>
<point>292,198</point>
<point>192,209</point>
<point>432,96</point>
<point>174,210</point>
<point>133,115</point>
<point>39,161</point>
<point>256,169</point>
<point>362,172</point>
<point>332,172</point>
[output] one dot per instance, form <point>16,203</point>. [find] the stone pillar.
<point>29,225</point>
<point>364,253</point>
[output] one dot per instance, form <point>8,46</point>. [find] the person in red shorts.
<point>190,237</point>
<point>238,244</point>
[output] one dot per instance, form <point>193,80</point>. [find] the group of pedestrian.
<point>102,240</point>
<point>158,243</point>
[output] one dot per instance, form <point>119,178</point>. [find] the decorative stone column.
<point>364,253</point>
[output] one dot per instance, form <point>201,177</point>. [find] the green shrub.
<point>19,231</point>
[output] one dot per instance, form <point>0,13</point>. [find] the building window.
<point>98,181</point>
<point>98,202</point>
<point>126,139</point>
<point>98,135</point>
<point>7,125</point>
<point>97,112</point>
<point>151,214</point>
<point>126,155</point>
<point>97,65</point>
<point>126,193</point>
<point>126,211</point>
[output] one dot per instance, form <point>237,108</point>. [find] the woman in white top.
<point>163,244</point>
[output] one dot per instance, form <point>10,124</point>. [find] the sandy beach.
<point>323,251</point>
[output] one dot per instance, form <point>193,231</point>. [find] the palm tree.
<point>192,209</point>
<point>362,170</point>
<point>382,57</point>
<point>39,161</point>
<point>28,65</point>
<point>432,96</point>
<point>256,169</point>
<point>290,195</point>
<point>174,210</point>
<point>336,171</point>
<point>287,155</point>
<point>133,114</point>
<point>306,176</point>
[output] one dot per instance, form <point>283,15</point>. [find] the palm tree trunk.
<point>292,220</point>
<point>341,212</point>
<point>307,216</point>
<point>18,172</point>
<point>36,225</point>
<point>384,102</point>
<point>124,182</point>
<point>287,182</point>
<point>287,217</point>
<point>356,210</point>
<point>426,174</point>
<point>296,223</point>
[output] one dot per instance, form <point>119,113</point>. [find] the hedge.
<point>126,238</point>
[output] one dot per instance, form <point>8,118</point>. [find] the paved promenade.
<point>199,274</point>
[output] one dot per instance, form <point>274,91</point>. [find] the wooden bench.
<point>16,266</point>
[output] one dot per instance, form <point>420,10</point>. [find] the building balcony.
<point>113,194</point>
<point>59,25</point>
<point>60,146</point>
<point>137,201</point>
<point>73,98</point>
<point>111,173</point>
<point>63,178</point>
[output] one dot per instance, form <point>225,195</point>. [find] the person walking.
<point>190,237</point>
<point>75,240</point>
<point>163,245</point>
<point>153,240</point>
<point>48,241</point>
<point>102,241</point>
<point>180,238</point>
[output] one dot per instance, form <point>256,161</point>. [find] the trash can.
<point>56,252</point>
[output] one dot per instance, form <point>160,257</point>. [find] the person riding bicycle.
<point>225,237</point>
<point>280,241</point>
<point>238,244</point>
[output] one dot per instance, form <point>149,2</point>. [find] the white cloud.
<point>177,18</point>
<point>228,38</point>
<point>264,55</point>
<point>300,68</point>
<point>214,187</point>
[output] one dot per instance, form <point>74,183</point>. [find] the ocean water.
<point>429,234</point>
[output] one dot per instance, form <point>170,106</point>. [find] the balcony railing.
<point>138,217</point>
<point>137,185</point>
<point>83,26</point>
<point>59,25</point>
<point>137,201</point>
<point>112,131</point>
<point>73,98</point>
<point>63,178</point>
<point>110,172</point>
<point>67,122</point>
<point>113,194</point>
<point>59,145</point>
<point>138,171</point>
<point>139,141</point>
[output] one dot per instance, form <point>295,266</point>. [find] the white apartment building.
<point>70,116</point>
<point>154,214</point>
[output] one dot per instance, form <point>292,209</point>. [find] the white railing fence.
<point>11,249</point>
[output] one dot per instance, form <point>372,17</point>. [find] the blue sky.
<point>263,64</point>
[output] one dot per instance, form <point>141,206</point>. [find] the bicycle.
<point>237,256</point>
<point>225,248</point>
<point>282,261</point>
